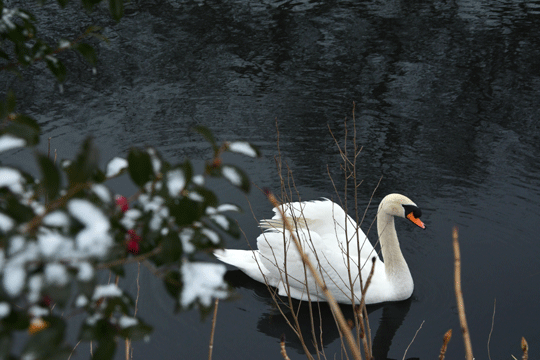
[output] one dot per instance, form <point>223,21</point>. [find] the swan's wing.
<point>327,219</point>
<point>286,271</point>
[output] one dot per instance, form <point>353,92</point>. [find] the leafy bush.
<point>59,230</point>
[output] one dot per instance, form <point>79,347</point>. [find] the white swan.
<point>324,232</point>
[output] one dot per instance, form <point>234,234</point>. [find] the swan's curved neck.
<point>395,265</point>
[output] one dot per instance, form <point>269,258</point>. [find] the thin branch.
<point>414,337</point>
<point>331,301</point>
<point>446,340</point>
<point>491,330</point>
<point>459,296</point>
<point>283,349</point>
<point>525,348</point>
<point>211,345</point>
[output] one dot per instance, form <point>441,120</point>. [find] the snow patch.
<point>232,175</point>
<point>176,181</point>
<point>8,142</point>
<point>115,166</point>
<point>56,274</point>
<point>94,238</point>
<point>6,223</point>
<point>242,147</point>
<point>202,281</point>
<point>110,290</point>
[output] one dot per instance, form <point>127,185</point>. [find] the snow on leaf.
<point>243,147</point>
<point>13,279</point>
<point>56,219</point>
<point>130,217</point>
<point>198,180</point>
<point>8,142</point>
<point>56,274</point>
<point>221,220</point>
<point>176,181</point>
<point>6,223</point>
<point>54,245</point>
<point>186,235</point>
<point>86,271</point>
<point>5,309</point>
<point>35,283</point>
<point>115,166</point>
<point>102,192</point>
<point>203,282</point>
<point>227,207</point>
<point>210,234</point>
<point>11,179</point>
<point>94,238</point>
<point>195,196</point>
<point>81,301</point>
<point>127,321</point>
<point>38,311</point>
<point>110,290</point>
<point>232,175</point>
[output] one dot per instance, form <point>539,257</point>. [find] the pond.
<point>445,100</point>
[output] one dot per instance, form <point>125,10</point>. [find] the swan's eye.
<point>411,209</point>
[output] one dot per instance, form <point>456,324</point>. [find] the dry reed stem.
<point>459,296</point>
<point>414,337</point>
<point>491,330</point>
<point>212,332</point>
<point>283,349</point>
<point>446,340</point>
<point>331,301</point>
<point>525,348</point>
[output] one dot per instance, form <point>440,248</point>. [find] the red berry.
<point>122,203</point>
<point>133,247</point>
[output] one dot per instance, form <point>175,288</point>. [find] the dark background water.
<point>447,113</point>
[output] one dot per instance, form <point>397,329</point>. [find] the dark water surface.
<point>447,113</point>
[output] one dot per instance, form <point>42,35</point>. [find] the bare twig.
<point>446,340</point>
<point>414,337</point>
<point>459,296</point>
<point>331,301</point>
<point>283,349</point>
<point>491,330</point>
<point>211,345</point>
<point>525,348</point>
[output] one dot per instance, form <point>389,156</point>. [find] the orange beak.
<point>416,220</point>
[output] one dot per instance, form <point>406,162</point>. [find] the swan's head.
<point>402,206</point>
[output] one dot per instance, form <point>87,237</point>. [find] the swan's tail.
<point>245,260</point>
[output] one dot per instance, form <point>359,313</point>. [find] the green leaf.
<point>24,127</point>
<point>116,7</point>
<point>85,166</point>
<point>207,134</point>
<point>173,284</point>
<point>236,176</point>
<point>105,349</point>
<point>17,210</point>
<point>51,176</point>
<point>57,67</point>
<point>185,211</point>
<point>140,167</point>
<point>171,249</point>
<point>87,51</point>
